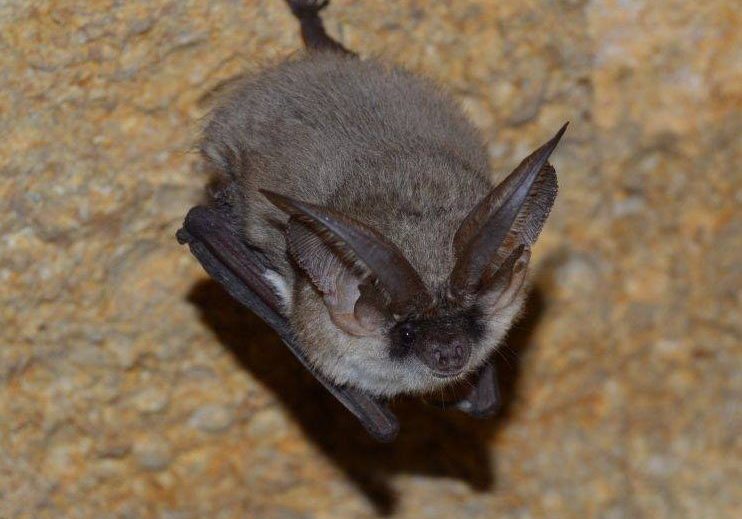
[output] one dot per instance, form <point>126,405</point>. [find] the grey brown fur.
<point>392,151</point>
<point>371,140</point>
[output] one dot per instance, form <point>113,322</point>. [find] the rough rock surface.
<point>131,386</point>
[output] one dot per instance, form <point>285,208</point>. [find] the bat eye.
<point>407,334</point>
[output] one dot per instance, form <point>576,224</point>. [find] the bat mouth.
<point>447,374</point>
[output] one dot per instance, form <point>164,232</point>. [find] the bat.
<point>358,220</point>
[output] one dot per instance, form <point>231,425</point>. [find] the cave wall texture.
<point>133,387</point>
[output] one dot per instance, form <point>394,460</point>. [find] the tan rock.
<point>132,387</point>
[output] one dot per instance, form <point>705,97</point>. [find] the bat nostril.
<point>446,359</point>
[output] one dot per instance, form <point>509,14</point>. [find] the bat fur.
<point>392,150</point>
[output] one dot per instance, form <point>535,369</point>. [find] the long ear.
<point>512,214</point>
<point>352,309</point>
<point>530,219</point>
<point>367,247</point>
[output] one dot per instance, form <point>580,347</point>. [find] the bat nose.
<point>449,359</point>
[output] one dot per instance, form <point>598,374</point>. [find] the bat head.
<point>399,334</point>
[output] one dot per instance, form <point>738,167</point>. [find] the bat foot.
<point>312,30</point>
<point>303,9</point>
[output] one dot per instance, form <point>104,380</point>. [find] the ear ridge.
<point>331,272</point>
<point>502,287</point>
<point>318,251</point>
<point>532,216</point>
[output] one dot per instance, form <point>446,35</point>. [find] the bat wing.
<point>215,241</point>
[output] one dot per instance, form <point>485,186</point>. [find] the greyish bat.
<point>359,221</point>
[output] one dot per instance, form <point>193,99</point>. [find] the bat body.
<point>362,197</point>
<point>369,141</point>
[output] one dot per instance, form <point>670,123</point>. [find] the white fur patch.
<point>281,288</point>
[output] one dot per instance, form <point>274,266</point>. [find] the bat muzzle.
<point>447,359</point>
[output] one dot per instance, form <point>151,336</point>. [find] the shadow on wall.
<point>432,442</point>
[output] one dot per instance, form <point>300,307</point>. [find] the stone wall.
<point>132,386</point>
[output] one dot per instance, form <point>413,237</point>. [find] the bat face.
<point>442,343</point>
<point>414,355</point>
<point>373,320</point>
